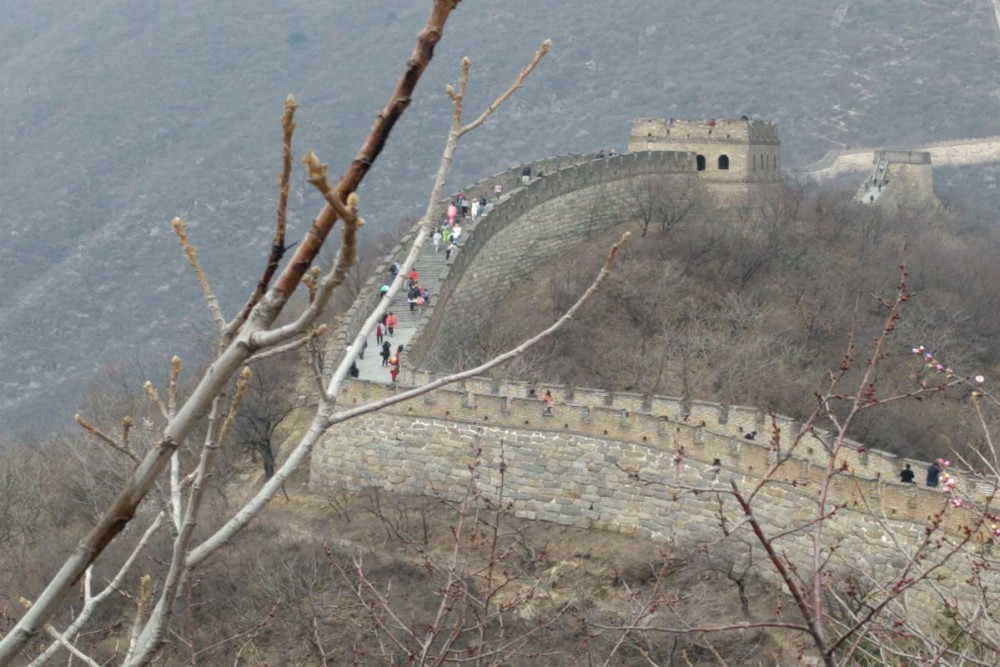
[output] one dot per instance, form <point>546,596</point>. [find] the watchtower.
<point>738,159</point>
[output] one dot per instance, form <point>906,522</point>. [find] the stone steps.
<point>428,266</point>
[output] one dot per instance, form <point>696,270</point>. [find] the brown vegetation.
<point>305,583</point>
<point>751,307</point>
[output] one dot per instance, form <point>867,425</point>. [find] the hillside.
<point>754,308</point>
<point>118,116</point>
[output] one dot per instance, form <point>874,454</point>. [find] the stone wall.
<point>574,468</point>
<point>911,186</point>
<point>545,218</point>
<point>350,323</point>
<point>943,154</point>
<point>904,157</point>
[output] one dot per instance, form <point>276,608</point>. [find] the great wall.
<point>943,154</point>
<point>578,466</point>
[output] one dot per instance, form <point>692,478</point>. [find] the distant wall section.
<point>954,153</point>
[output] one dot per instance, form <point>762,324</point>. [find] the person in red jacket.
<point>390,323</point>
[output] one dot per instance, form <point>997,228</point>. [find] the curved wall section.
<point>509,181</point>
<point>534,223</point>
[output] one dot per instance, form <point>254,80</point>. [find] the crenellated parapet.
<point>716,430</point>
<point>654,134</point>
<point>644,465</point>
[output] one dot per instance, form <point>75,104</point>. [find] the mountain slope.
<point>117,116</point>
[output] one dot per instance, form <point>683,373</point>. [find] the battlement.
<point>903,157</point>
<point>657,134</point>
<point>665,423</point>
<point>620,461</point>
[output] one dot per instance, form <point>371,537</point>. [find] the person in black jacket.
<point>932,474</point>
<point>906,475</point>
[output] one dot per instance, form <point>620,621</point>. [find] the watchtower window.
<point>723,162</point>
<point>701,162</point>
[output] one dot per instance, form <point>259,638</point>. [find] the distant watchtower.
<point>738,160</point>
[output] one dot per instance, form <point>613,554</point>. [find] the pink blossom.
<point>979,379</point>
<point>957,502</point>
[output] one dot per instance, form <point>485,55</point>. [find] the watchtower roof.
<point>707,130</point>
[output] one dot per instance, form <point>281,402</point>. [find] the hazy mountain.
<point>115,116</point>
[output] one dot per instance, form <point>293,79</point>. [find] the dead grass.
<point>591,582</point>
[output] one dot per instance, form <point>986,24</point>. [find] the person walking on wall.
<point>498,190</point>
<point>379,333</point>
<point>386,352</point>
<point>526,175</point>
<point>447,251</point>
<point>906,475</point>
<point>411,296</point>
<point>391,322</point>
<point>932,474</point>
<point>549,401</point>
<point>436,240</point>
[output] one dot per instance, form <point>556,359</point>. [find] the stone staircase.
<point>874,184</point>
<point>429,266</point>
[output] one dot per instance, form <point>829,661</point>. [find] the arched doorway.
<point>723,162</point>
<point>701,163</point>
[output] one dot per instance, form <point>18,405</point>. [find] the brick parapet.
<point>709,431</point>
<point>578,468</point>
